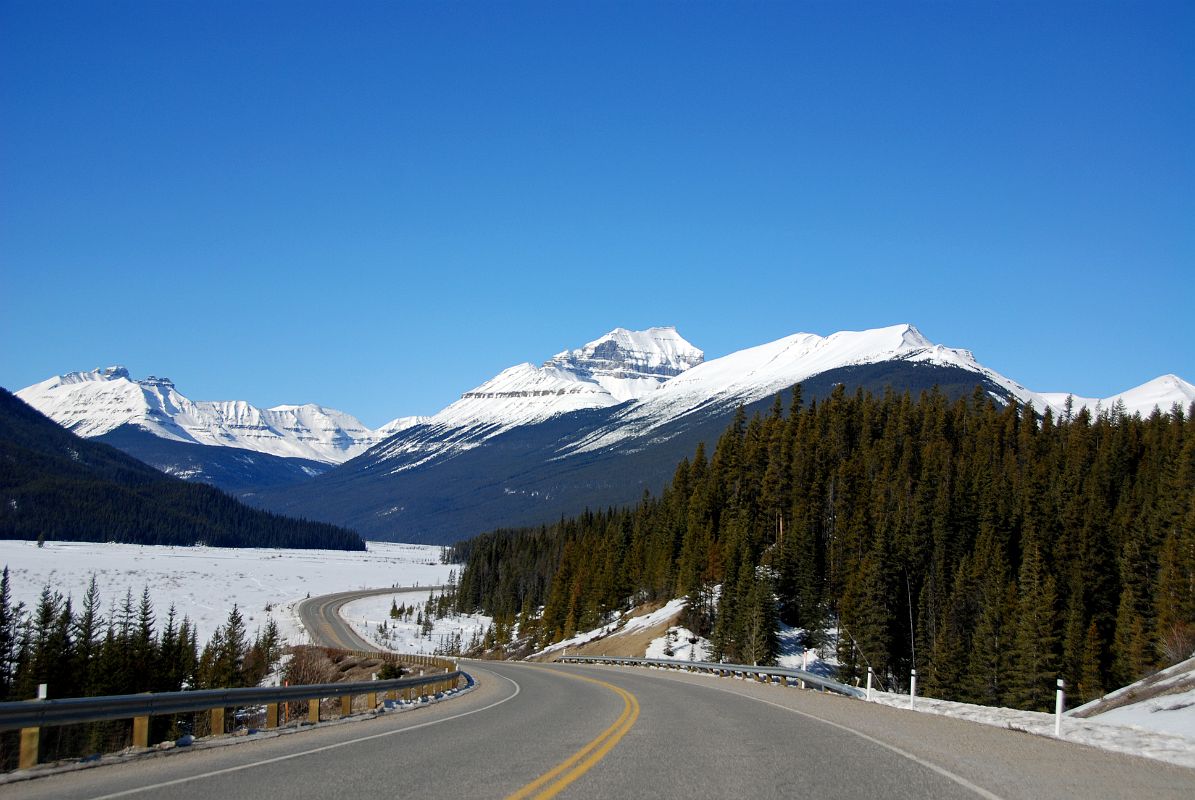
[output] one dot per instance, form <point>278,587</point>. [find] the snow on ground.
<point>819,660</point>
<point>369,614</point>
<point>1167,713</point>
<point>677,643</point>
<point>1122,738</point>
<point>204,582</point>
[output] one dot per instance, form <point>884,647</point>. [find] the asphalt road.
<point>321,616</point>
<point>607,732</point>
<point>664,735</point>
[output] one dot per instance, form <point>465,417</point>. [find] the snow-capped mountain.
<point>95,403</point>
<point>758,372</point>
<point>588,427</point>
<point>600,424</point>
<point>613,369</point>
<point>1160,393</point>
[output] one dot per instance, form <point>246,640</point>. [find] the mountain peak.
<point>113,373</point>
<point>650,356</point>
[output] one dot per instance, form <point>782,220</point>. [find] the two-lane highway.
<point>538,731</point>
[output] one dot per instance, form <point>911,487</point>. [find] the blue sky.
<point>377,206</point>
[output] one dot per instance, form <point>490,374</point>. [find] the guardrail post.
<point>271,715</point>
<point>313,711</point>
<point>784,680</point>
<point>30,744</point>
<point>217,721</point>
<point>346,705</point>
<point>371,700</point>
<point>140,731</point>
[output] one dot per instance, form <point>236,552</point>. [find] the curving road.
<point>607,732</point>
<point>321,616</point>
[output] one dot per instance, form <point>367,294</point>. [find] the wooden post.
<point>140,731</point>
<point>217,721</point>
<point>346,705</point>
<point>784,680</point>
<point>313,711</point>
<point>371,700</point>
<point>272,715</point>
<point>30,744</point>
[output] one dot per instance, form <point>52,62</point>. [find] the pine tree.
<point>1034,655</point>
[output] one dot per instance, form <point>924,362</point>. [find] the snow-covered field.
<point>204,582</point>
<point>370,617</point>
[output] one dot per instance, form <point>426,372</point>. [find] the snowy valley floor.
<point>204,582</point>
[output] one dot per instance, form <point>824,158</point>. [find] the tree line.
<point>988,546</point>
<point>85,651</point>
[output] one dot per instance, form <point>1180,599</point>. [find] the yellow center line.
<point>581,761</point>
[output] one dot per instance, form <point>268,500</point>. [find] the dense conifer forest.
<point>57,486</point>
<point>992,548</point>
<point>87,649</point>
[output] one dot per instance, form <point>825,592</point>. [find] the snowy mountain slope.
<point>600,424</point>
<point>631,364</point>
<point>1161,393</point>
<point>94,403</point>
<point>532,474</point>
<point>619,367</point>
<point>759,372</point>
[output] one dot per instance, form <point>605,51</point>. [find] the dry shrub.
<point>1178,643</point>
<point>310,665</point>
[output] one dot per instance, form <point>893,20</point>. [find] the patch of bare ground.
<point>619,643</point>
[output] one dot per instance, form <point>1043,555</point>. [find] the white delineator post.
<point>1059,701</point>
<point>869,684</point>
<point>912,688</point>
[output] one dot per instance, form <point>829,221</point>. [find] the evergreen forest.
<point>992,548</point>
<point>88,651</point>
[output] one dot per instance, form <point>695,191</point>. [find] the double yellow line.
<point>555,780</point>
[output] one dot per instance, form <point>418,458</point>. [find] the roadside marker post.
<point>913,688</point>
<point>1059,702</point>
<point>869,674</point>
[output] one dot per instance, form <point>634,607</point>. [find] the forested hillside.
<point>1002,547</point>
<point>57,486</point>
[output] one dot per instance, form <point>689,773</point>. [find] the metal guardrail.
<point>74,710</point>
<point>30,716</point>
<point>760,673</point>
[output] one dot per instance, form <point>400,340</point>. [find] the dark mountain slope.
<point>232,469</point>
<point>527,476</point>
<point>55,485</point>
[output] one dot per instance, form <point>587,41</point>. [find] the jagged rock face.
<point>658,353</point>
<point>630,364</point>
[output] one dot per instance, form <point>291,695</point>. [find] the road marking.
<point>314,750</point>
<point>945,773</point>
<point>581,761</point>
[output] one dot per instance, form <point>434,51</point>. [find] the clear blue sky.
<point>377,206</point>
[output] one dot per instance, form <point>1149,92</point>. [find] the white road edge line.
<point>959,779</point>
<point>288,757</point>
<point>945,773</point>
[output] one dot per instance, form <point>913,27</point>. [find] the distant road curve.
<point>321,616</point>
